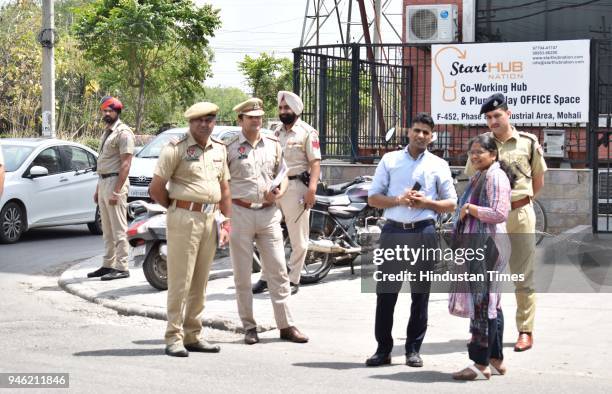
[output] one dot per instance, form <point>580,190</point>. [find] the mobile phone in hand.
<point>416,187</point>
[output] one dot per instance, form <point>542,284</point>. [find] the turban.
<point>110,102</point>
<point>293,101</point>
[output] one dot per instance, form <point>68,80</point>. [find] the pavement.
<point>571,336</point>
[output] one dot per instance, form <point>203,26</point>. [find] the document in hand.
<point>282,173</point>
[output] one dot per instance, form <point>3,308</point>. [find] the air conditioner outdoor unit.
<point>431,23</point>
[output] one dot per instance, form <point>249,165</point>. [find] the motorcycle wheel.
<point>316,267</point>
<point>155,269</point>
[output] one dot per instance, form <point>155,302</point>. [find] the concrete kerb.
<point>71,281</point>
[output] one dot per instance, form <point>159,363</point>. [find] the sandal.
<point>471,372</point>
<point>499,370</point>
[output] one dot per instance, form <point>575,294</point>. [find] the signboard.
<point>544,81</point>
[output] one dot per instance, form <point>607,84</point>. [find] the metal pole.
<point>47,40</point>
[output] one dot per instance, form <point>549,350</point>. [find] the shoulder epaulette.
<point>215,139</point>
<point>232,140</point>
<point>177,141</point>
<point>272,137</point>
<point>528,135</point>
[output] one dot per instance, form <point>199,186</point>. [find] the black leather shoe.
<point>251,337</point>
<point>116,274</point>
<point>378,359</point>
<point>176,350</point>
<point>260,286</point>
<point>99,272</point>
<point>414,360</point>
<point>294,288</point>
<point>202,346</point>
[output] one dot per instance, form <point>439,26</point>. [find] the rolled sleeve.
<point>313,148</point>
<point>126,142</point>
<point>225,176</point>
<point>380,183</point>
<point>447,187</point>
<point>538,164</point>
<point>167,162</point>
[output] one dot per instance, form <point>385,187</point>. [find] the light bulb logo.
<point>449,85</point>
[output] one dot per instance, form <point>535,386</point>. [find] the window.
<point>541,20</point>
<point>50,159</point>
<point>14,156</point>
<point>76,159</point>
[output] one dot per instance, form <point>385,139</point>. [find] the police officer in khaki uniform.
<point>302,154</point>
<point>254,162</point>
<point>195,170</point>
<point>524,154</point>
<point>114,160</point>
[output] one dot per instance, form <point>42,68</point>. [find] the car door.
<point>78,168</point>
<point>47,201</point>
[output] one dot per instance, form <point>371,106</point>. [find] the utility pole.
<point>46,38</point>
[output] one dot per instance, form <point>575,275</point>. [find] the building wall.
<point>566,197</point>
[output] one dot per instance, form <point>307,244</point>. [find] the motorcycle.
<point>147,236</point>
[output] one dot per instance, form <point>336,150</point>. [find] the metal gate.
<point>601,134</point>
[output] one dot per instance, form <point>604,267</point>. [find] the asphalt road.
<point>41,250</point>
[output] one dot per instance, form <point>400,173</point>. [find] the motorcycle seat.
<point>333,190</point>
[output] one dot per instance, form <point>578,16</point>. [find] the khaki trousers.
<point>262,226</point>
<point>299,231</point>
<point>522,221</point>
<point>192,242</point>
<point>114,224</point>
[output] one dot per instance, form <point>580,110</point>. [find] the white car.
<point>143,163</point>
<point>48,182</point>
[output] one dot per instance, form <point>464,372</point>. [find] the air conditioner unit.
<point>431,23</point>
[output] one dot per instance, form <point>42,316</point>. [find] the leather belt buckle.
<point>256,205</point>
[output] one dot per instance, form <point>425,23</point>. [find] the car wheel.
<point>12,223</point>
<point>96,227</point>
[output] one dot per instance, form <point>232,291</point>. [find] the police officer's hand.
<point>223,237</point>
<point>113,199</point>
<point>309,199</point>
<point>272,196</point>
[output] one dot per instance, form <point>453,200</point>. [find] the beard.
<point>287,118</point>
<point>108,119</point>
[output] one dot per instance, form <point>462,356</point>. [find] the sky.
<point>273,26</point>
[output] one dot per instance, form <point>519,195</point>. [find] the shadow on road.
<point>121,352</point>
<point>418,377</point>
<point>329,365</point>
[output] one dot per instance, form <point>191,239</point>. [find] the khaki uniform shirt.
<point>116,141</point>
<point>253,168</point>
<point>1,158</point>
<point>300,146</point>
<point>194,172</point>
<point>524,155</point>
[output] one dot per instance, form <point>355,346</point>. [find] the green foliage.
<point>149,47</point>
<point>266,75</point>
<point>226,99</point>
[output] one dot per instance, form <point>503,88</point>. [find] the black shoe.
<point>116,274</point>
<point>176,350</point>
<point>99,272</point>
<point>414,359</point>
<point>260,286</point>
<point>251,337</point>
<point>378,359</point>
<point>202,346</point>
<point>294,287</point>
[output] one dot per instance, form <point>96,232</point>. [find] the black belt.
<point>413,225</point>
<point>104,176</point>
<point>292,177</point>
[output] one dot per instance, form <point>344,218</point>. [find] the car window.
<point>154,147</point>
<point>50,159</point>
<point>93,162</point>
<point>74,158</point>
<point>14,156</point>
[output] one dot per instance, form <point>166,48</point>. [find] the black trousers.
<point>482,355</point>
<point>387,293</point>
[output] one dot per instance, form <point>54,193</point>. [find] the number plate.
<point>138,250</point>
<point>138,193</point>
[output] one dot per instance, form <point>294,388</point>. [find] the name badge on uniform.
<point>242,152</point>
<point>192,154</point>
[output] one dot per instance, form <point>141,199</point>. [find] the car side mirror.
<point>37,171</point>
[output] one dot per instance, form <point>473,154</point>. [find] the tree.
<point>266,75</point>
<point>150,46</point>
<point>226,99</point>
